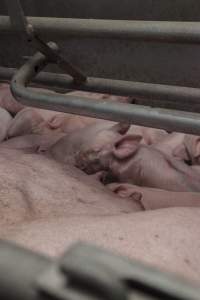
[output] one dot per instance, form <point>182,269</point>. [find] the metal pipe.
<point>19,269</point>
<point>159,118</point>
<point>51,50</point>
<point>84,272</point>
<point>162,31</point>
<point>139,90</point>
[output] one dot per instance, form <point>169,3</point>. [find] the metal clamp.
<point>21,24</point>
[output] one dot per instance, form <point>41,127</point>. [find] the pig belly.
<point>167,238</point>
<point>34,186</point>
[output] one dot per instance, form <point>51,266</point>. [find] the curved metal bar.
<point>170,120</point>
<point>162,31</point>
<point>139,90</point>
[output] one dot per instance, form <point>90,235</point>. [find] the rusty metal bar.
<point>162,31</point>
<point>169,120</point>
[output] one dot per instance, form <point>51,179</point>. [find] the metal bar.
<point>85,272</point>
<point>19,269</point>
<point>169,120</point>
<point>20,23</point>
<point>51,50</point>
<point>16,14</point>
<point>162,31</point>
<point>139,90</point>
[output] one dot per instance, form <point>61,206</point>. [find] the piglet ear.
<point>121,128</point>
<point>55,122</point>
<point>126,146</point>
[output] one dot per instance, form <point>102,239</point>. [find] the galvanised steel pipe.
<point>26,275</point>
<point>139,90</point>
<point>19,269</point>
<point>161,31</point>
<point>169,120</point>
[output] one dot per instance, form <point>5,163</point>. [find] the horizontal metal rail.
<point>139,90</point>
<point>161,31</point>
<point>169,120</point>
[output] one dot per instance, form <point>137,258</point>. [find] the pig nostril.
<point>36,69</point>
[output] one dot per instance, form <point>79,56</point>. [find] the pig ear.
<point>55,122</point>
<point>121,128</point>
<point>126,146</point>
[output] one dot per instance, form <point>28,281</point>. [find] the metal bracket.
<point>20,23</point>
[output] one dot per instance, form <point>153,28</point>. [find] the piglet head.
<point>94,156</point>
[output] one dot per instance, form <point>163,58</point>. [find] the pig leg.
<point>32,143</point>
<point>25,122</point>
<point>152,199</point>
<point>144,165</point>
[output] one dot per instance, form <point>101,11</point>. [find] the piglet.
<point>108,147</point>
<point>82,147</point>
<point>32,120</point>
<point>101,97</point>
<point>5,121</point>
<point>144,165</point>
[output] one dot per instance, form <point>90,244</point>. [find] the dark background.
<point>149,62</point>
